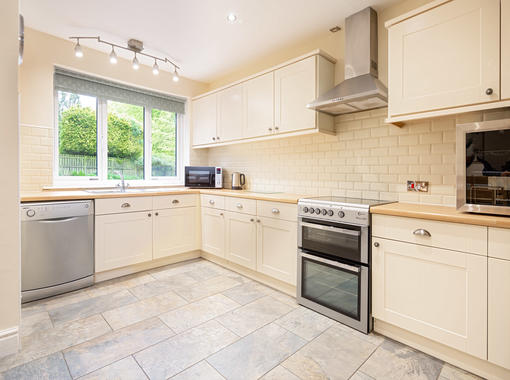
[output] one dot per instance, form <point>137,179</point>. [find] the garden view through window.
<point>122,150</point>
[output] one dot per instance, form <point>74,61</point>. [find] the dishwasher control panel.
<point>55,210</point>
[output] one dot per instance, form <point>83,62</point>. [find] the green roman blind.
<point>70,81</point>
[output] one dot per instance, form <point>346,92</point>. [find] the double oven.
<point>334,259</point>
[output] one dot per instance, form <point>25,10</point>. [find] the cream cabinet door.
<point>295,87</point>
<point>445,57</point>
<point>241,239</point>
<point>436,293</point>
<point>175,231</point>
<point>123,239</point>
<point>277,249</point>
<point>505,49</point>
<point>204,114</point>
<point>259,106</point>
<point>231,113</point>
<point>213,231</point>
<point>499,312</point>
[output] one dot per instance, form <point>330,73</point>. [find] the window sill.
<point>86,186</point>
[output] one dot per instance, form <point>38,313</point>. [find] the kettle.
<point>238,180</point>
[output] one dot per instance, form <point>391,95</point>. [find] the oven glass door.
<point>200,177</point>
<point>334,285</point>
<point>334,240</point>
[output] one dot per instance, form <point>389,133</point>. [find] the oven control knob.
<point>318,211</point>
<point>341,214</point>
<point>305,209</point>
<point>310,210</point>
<point>324,211</point>
<point>331,213</point>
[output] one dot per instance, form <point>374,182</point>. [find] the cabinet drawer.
<point>454,236</point>
<point>245,206</point>
<point>212,201</point>
<point>499,243</point>
<point>119,205</point>
<point>277,210</point>
<point>174,201</point>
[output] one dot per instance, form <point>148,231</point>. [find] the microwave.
<point>483,167</point>
<point>203,177</point>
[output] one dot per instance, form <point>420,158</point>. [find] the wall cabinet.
<point>122,239</point>
<point>268,104</point>
<point>437,293</point>
<point>213,231</point>
<point>241,239</point>
<point>446,56</point>
<point>175,231</point>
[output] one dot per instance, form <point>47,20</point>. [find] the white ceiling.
<point>194,33</point>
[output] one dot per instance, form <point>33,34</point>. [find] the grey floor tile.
<point>198,312</point>
<point>450,372</point>
<point>282,297</point>
<point>246,293</point>
<point>45,342</point>
<point>172,356</point>
<point>99,352</point>
<point>154,288</point>
<point>361,376</point>
<point>138,311</point>
<point>202,370</point>
<point>205,273</point>
<point>171,270</point>
<point>118,284</point>
<point>91,306</point>
<point>124,369</point>
<point>255,354</point>
<point>206,288</point>
<point>279,373</point>
<point>393,360</point>
<point>53,302</point>
<point>35,322</point>
<point>306,323</point>
<point>52,367</point>
<point>334,354</point>
<point>373,337</point>
<point>249,318</point>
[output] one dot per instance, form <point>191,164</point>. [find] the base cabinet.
<point>437,293</point>
<point>276,249</point>
<point>213,231</point>
<point>122,239</point>
<point>241,239</point>
<point>175,231</point>
<point>499,312</point>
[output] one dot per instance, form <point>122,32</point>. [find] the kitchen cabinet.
<point>122,239</point>
<point>499,312</point>
<point>241,239</point>
<point>175,231</point>
<point>213,231</point>
<point>437,293</point>
<point>505,49</point>
<point>259,106</point>
<point>204,115</point>
<point>231,118</point>
<point>276,249</point>
<point>443,56</point>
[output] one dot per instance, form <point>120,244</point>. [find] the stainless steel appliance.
<point>203,177</point>
<point>334,258</point>
<point>483,167</point>
<point>238,181</point>
<point>361,90</point>
<point>57,248</point>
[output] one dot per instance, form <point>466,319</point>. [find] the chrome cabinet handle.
<point>270,129</point>
<point>376,245</point>
<point>157,213</point>
<point>258,220</point>
<point>239,205</point>
<point>214,138</point>
<point>125,205</point>
<point>252,220</point>
<point>275,211</point>
<point>211,201</point>
<point>217,137</point>
<point>276,128</point>
<point>422,232</point>
<point>221,213</point>
<point>489,91</point>
<point>149,214</point>
<point>175,201</point>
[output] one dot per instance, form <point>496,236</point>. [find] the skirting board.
<point>450,355</point>
<point>9,341</point>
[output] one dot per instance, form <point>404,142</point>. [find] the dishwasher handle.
<point>58,220</point>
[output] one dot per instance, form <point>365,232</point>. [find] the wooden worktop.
<point>64,195</point>
<point>440,213</point>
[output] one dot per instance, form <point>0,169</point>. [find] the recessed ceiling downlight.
<point>231,17</point>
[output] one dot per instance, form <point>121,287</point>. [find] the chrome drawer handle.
<point>175,201</point>
<point>239,205</point>
<point>422,232</point>
<point>125,205</point>
<point>211,201</point>
<point>275,211</point>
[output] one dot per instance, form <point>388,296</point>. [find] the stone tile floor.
<point>197,320</point>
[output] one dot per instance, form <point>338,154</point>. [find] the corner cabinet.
<point>267,105</point>
<point>444,58</point>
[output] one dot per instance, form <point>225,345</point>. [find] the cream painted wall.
<point>42,53</point>
<point>9,191</point>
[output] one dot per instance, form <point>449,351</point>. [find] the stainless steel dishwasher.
<point>57,248</point>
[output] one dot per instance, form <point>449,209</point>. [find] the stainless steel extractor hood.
<point>361,90</point>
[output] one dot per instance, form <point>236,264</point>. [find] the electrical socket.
<point>419,186</point>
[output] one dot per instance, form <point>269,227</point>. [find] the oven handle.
<point>331,228</point>
<point>331,262</point>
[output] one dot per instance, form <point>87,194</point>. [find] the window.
<point>118,132</point>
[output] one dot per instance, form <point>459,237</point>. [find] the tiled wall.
<point>367,158</point>
<point>36,159</point>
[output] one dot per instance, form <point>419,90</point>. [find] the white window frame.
<point>101,180</point>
